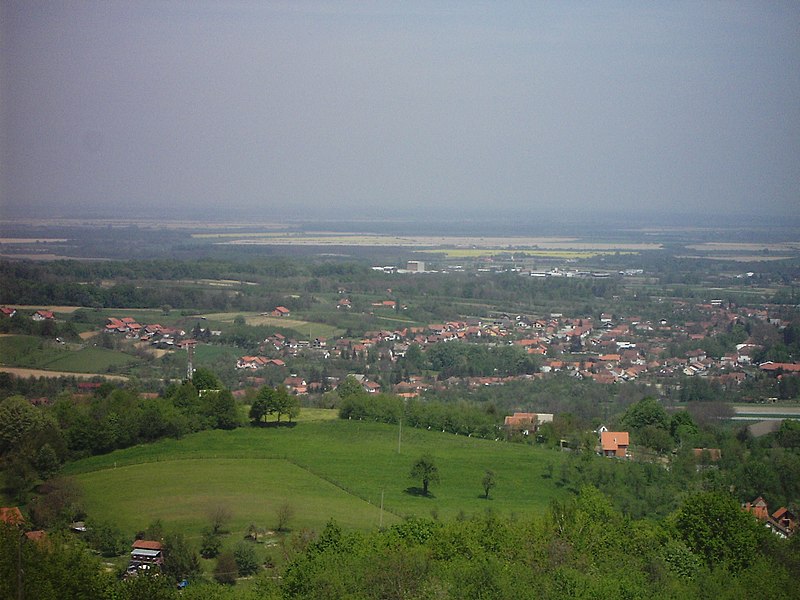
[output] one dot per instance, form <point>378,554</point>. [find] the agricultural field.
<point>324,468</point>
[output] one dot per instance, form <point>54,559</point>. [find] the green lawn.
<point>324,468</point>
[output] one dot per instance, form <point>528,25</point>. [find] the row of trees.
<point>274,401</point>
<point>36,440</point>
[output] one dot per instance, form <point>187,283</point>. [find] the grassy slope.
<point>324,468</point>
<point>33,352</point>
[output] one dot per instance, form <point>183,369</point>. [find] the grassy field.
<point>304,328</point>
<point>32,352</point>
<point>324,468</point>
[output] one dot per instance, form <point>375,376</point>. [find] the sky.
<point>263,110</point>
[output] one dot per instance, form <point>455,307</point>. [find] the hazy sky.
<point>259,108</point>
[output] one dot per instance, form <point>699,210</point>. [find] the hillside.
<point>323,468</point>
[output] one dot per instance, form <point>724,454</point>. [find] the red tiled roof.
<point>11,516</point>
<point>612,440</point>
<point>147,545</point>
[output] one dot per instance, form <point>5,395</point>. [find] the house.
<point>43,315</point>
<point>782,522</point>
<point>280,311</point>
<point>526,423</point>
<point>758,508</point>
<point>371,387</point>
<point>7,312</point>
<point>146,555</point>
<point>614,443</point>
<point>296,385</point>
<point>707,454</point>
<point>11,516</point>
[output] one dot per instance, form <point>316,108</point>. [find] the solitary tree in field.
<point>285,514</point>
<point>488,483</point>
<point>425,469</point>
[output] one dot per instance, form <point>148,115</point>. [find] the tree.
<point>682,426</point>
<point>281,402</point>
<point>714,526</point>
<point>180,562</point>
<point>284,515</point>
<point>260,407</point>
<point>349,388</point>
<point>488,483</point>
<point>648,411</point>
<point>205,379</point>
<point>211,544</point>
<point>426,470</point>
<point>246,559</point>
<point>222,409</point>
<point>225,571</point>
<point>219,516</point>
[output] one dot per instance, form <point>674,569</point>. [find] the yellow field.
<point>477,252</point>
<point>20,372</point>
<point>457,242</point>
<point>51,308</point>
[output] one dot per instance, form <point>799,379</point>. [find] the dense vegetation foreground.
<point>541,530</point>
<point>582,548</point>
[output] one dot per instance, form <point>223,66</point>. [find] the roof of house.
<point>11,515</point>
<point>611,440</point>
<point>147,545</point>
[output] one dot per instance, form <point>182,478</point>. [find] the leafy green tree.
<point>425,469</point>
<point>152,588</point>
<point>682,427</point>
<point>222,409</point>
<point>714,527</point>
<point>19,419</point>
<point>205,379</point>
<point>180,561</point>
<point>281,402</point>
<point>226,569</point>
<point>107,539</point>
<point>349,388</point>
<point>654,437</point>
<point>46,462</point>
<point>647,411</point>
<point>210,544</point>
<point>246,560</point>
<point>260,407</point>
<point>488,482</point>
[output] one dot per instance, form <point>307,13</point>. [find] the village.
<point>607,349</point>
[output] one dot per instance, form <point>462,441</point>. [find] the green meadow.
<point>323,468</point>
<point>33,352</point>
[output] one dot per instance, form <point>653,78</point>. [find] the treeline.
<point>462,418</point>
<point>35,441</point>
